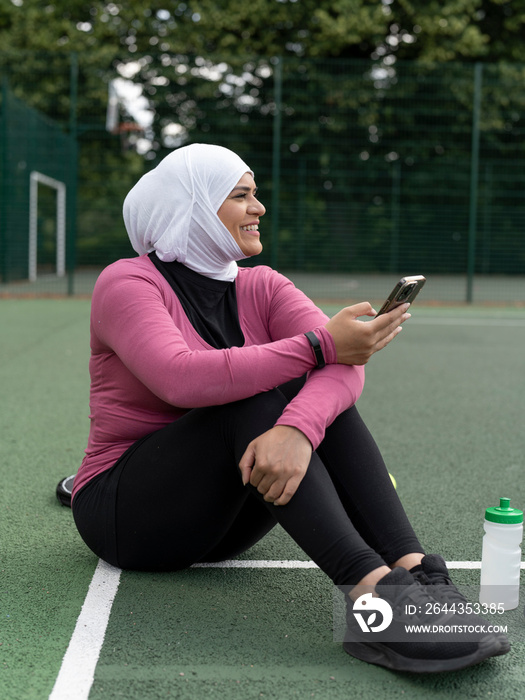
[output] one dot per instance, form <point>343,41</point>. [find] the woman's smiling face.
<point>240,213</point>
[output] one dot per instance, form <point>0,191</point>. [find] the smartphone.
<point>405,291</point>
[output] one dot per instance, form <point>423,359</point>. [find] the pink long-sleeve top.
<point>149,366</point>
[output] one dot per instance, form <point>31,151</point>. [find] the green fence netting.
<point>366,168</point>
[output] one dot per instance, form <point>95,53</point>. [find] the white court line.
<point>299,564</point>
<point>257,564</point>
<point>77,672</point>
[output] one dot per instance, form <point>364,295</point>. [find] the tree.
<point>203,34</point>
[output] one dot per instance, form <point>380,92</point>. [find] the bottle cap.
<point>504,513</point>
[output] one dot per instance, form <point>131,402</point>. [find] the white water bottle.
<point>501,556</point>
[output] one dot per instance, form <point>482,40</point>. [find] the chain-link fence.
<point>365,168</point>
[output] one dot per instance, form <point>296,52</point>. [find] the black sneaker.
<point>64,490</point>
<point>434,572</point>
<point>401,649</point>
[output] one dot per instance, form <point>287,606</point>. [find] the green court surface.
<point>446,403</point>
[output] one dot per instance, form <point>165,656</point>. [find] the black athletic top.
<point>210,305</point>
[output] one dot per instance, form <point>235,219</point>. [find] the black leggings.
<point>176,497</point>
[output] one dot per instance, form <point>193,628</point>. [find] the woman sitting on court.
<point>222,403</point>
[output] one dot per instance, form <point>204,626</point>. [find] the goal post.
<point>35,179</point>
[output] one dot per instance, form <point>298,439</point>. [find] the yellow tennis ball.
<point>393,481</point>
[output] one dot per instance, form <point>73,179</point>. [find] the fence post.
<point>474,179</point>
<point>276,157</point>
<point>4,180</point>
<point>71,238</point>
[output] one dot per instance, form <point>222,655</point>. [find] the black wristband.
<point>316,347</point>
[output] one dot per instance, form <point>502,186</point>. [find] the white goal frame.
<point>35,179</point>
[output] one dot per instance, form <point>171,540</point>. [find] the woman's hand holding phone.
<point>356,341</point>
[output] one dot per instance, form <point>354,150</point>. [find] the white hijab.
<point>173,210</point>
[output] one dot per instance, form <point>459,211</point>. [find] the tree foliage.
<point>203,34</point>
<point>427,30</point>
